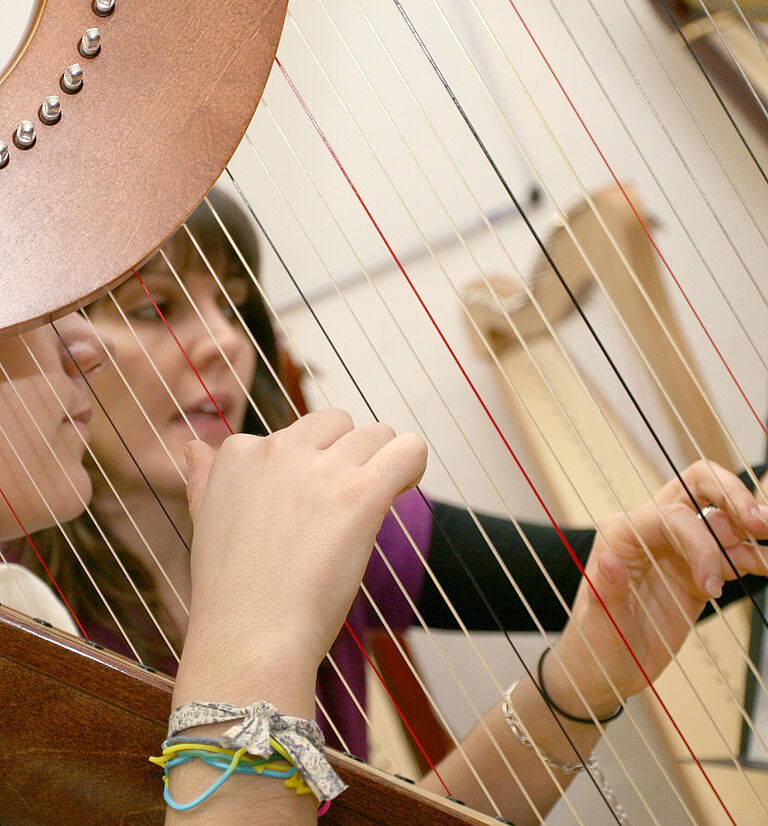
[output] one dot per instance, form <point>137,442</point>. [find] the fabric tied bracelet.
<point>301,738</point>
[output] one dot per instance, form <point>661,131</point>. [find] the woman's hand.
<point>655,595</point>
<point>283,529</point>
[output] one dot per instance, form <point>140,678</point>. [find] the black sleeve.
<point>456,540</point>
<point>458,545</point>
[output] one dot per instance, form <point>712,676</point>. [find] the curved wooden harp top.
<point>161,110</point>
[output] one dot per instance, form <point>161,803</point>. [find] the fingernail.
<point>761,512</point>
<point>714,586</point>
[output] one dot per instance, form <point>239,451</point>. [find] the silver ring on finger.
<point>706,510</point>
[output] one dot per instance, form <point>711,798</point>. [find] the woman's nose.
<point>221,336</point>
<point>84,349</point>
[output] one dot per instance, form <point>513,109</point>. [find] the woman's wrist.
<point>241,672</point>
<point>576,686</point>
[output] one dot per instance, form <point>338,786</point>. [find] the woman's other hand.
<point>654,568</point>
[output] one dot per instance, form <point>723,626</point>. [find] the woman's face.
<point>205,349</point>
<point>34,423</point>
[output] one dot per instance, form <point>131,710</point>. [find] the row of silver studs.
<point>71,82</point>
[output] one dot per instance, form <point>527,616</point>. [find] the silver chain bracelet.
<point>590,763</point>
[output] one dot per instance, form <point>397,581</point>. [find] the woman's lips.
<point>208,415</point>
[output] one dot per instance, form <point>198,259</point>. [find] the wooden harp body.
<point>101,190</point>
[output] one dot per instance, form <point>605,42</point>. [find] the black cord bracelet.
<point>548,700</point>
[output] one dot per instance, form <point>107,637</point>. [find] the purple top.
<point>388,596</point>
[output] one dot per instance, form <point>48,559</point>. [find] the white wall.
<point>16,16</point>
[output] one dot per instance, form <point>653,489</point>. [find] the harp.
<point>460,37</point>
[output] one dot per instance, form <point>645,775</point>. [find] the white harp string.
<point>699,188</point>
<point>734,60</point>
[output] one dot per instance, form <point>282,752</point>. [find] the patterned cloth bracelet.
<point>257,724</point>
<point>550,702</point>
<point>589,764</point>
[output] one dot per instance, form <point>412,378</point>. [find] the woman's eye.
<point>228,312</point>
<point>147,312</point>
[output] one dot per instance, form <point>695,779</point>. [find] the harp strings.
<point>714,89</point>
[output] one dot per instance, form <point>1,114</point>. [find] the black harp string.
<point>715,92</point>
<point>465,567</point>
<point>577,306</point>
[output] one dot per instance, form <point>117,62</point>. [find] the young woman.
<point>156,402</point>
<point>264,613</point>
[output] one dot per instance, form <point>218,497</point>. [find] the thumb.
<point>200,458</point>
<point>611,578</point>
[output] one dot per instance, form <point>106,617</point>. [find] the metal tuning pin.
<point>72,79</point>
<point>50,111</point>
<point>24,137</point>
<point>90,43</point>
<point>103,7</point>
<point>4,154</point>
